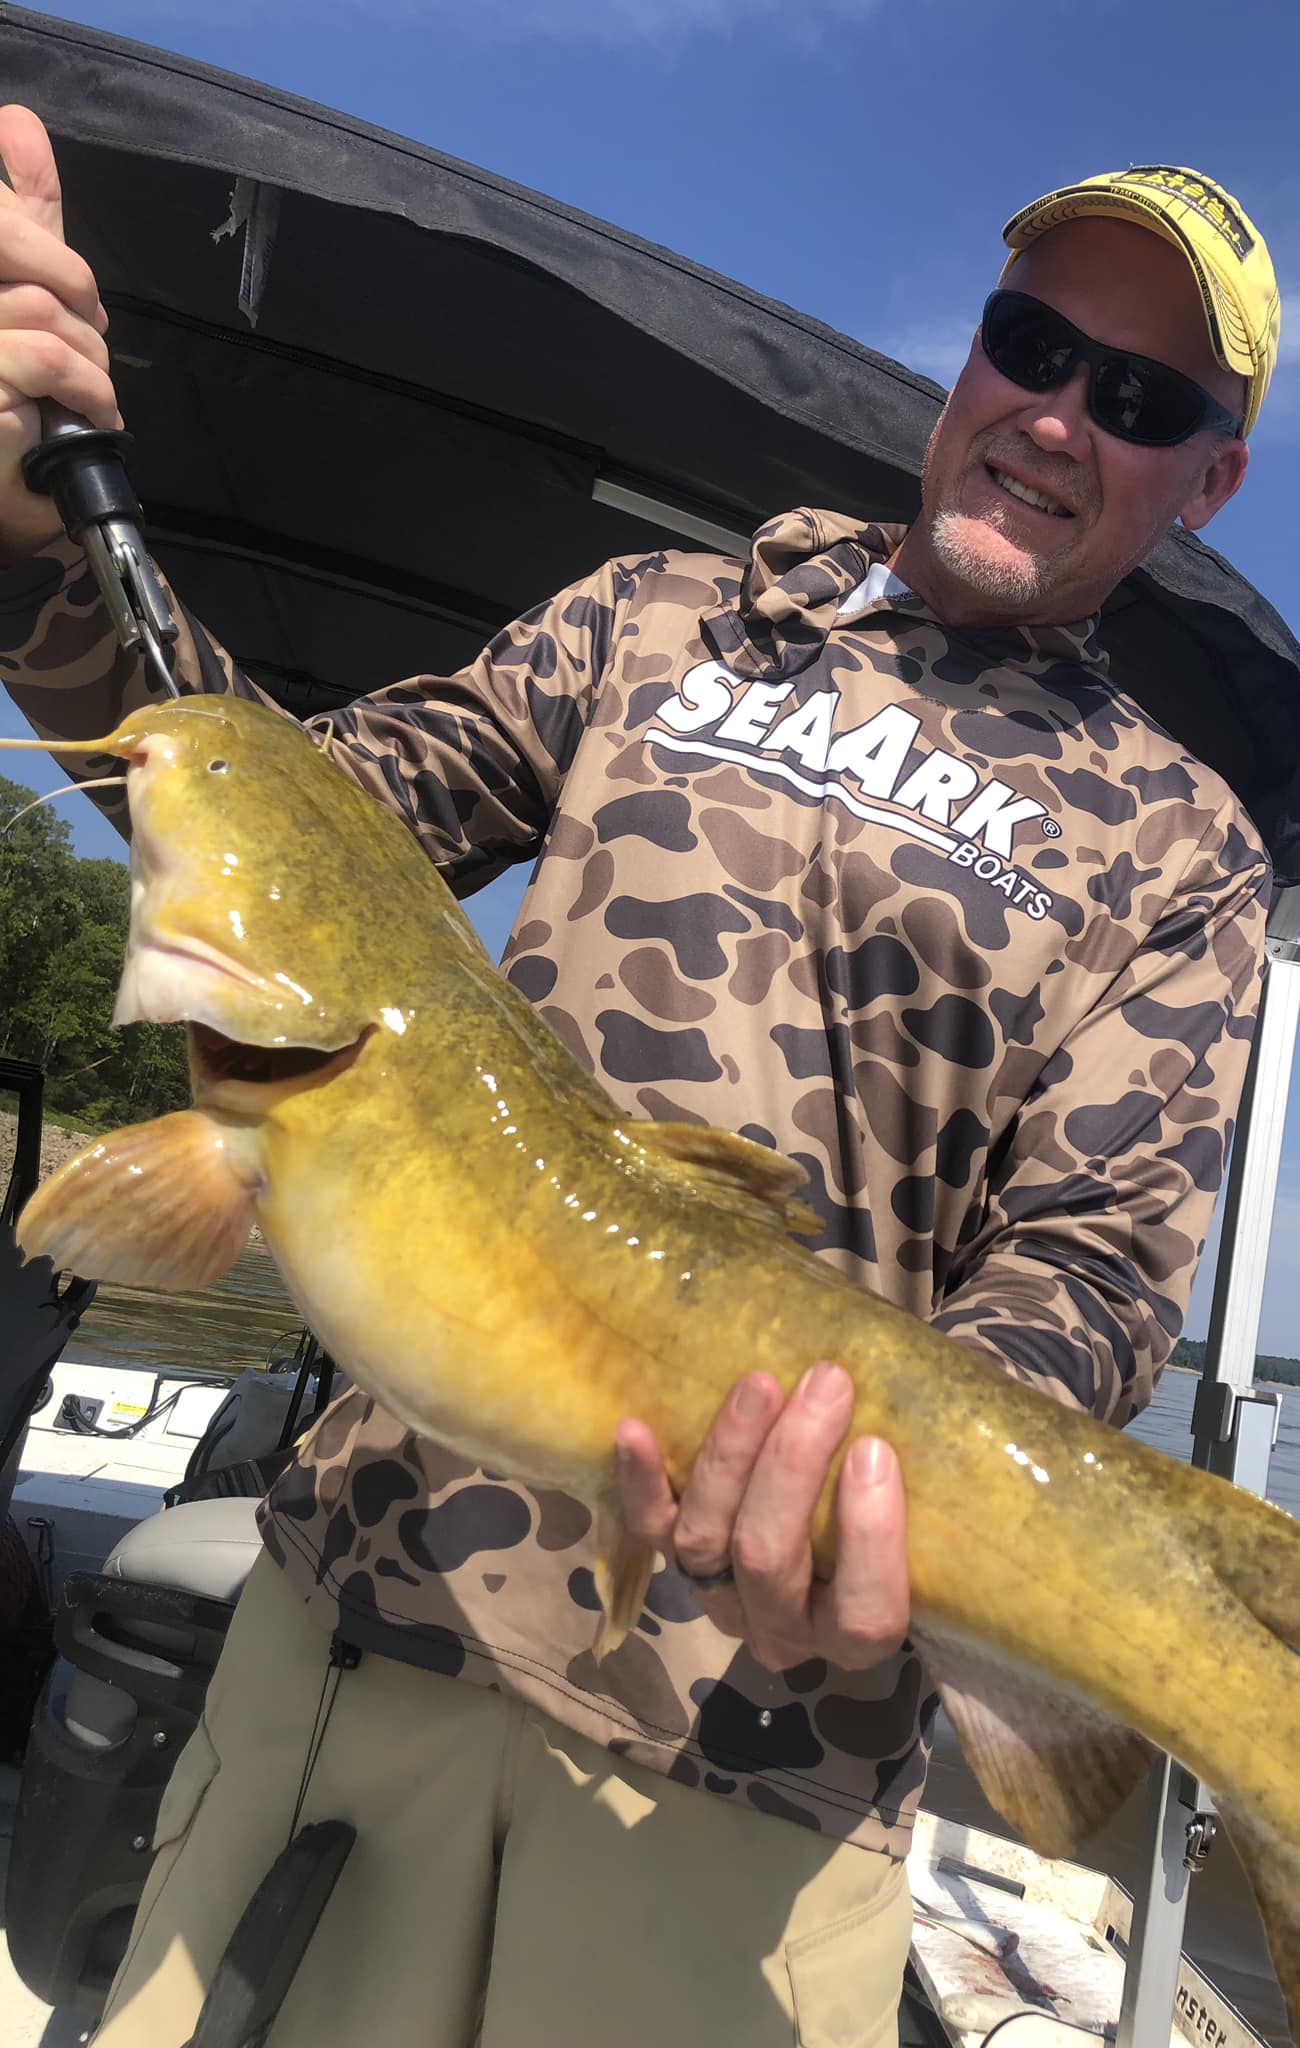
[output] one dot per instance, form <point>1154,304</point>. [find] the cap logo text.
<point>1203,198</point>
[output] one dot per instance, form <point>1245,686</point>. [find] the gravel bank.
<point>56,1145</point>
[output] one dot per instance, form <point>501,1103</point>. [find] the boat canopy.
<point>384,402</point>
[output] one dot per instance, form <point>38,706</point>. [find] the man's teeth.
<point>1030,496</point>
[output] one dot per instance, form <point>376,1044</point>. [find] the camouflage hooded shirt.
<point>940,913</point>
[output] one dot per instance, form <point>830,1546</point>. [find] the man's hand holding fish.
<point>851,1104</point>
<point>741,1531</point>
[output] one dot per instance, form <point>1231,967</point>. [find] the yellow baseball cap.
<point>1227,253</point>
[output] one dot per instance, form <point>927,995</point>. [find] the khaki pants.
<point>506,1873</point>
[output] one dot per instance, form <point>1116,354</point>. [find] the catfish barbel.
<point>511,1266</point>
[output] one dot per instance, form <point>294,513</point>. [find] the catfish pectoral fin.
<point>624,1568</point>
<point>160,1204</point>
<point>1054,1767</point>
<point>1272,1863</point>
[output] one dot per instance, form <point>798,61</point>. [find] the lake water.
<point>226,1328</point>
<point>238,1322</point>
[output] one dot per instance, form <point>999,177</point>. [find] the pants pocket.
<point>846,1978</point>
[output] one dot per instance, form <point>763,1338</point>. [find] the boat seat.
<point>202,1546</point>
<point>137,1644</point>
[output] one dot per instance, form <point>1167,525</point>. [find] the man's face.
<point>979,552</point>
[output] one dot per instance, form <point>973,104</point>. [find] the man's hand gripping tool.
<point>83,469</point>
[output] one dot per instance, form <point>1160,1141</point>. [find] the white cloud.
<point>656,21</point>
<point>1279,423</point>
<point>610,22</point>
<point>935,348</point>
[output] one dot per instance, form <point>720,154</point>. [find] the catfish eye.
<point>218,767</point>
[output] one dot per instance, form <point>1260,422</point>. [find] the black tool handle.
<point>83,468</point>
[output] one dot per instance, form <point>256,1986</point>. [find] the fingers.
<point>750,1502</point>
<point>770,1549</point>
<point>860,1616</point>
<point>33,309</point>
<point>706,1519</point>
<point>29,164</point>
<point>697,1534</point>
<point>32,248</point>
<point>649,1505</point>
<point>37,366</point>
<point>650,1510</point>
<point>30,254</point>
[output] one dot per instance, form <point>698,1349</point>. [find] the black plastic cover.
<point>85,1821</point>
<point>38,1313</point>
<point>370,416</point>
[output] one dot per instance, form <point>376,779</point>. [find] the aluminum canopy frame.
<point>1234,1430</point>
<point>385,401</point>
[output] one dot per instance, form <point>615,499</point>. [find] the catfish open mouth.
<point>220,1059</point>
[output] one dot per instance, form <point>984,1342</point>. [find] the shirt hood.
<point>804,569</point>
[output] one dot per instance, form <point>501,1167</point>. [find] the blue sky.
<point>854,159</point>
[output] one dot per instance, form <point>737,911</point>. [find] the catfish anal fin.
<point>161,1204</point>
<point>624,1568</point>
<point>1051,1765</point>
<point>1272,1864</point>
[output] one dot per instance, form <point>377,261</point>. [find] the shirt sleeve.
<point>473,762</point>
<point>1076,1274</point>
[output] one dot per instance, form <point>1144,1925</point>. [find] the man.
<point>858,848</point>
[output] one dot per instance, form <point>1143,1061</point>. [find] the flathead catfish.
<point>510,1265</point>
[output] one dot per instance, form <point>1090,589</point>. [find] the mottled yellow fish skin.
<point>509,1265</point>
<point>519,1311</point>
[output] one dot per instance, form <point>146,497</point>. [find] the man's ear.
<point>1220,480</point>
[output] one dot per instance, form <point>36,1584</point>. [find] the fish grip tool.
<point>83,468</point>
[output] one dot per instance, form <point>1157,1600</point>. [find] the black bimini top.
<point>384,402</point>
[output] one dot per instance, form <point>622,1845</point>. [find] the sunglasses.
<point>1132,397</point>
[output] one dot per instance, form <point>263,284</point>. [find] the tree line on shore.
<point>63,926</point>
<point>1190,1352</point>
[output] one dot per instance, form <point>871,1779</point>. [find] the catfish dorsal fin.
<point>161,1204</point>
<point>730,1170</point>
<point>1047,1761</point>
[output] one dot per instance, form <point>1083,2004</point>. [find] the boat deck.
<point>92,1489</point>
